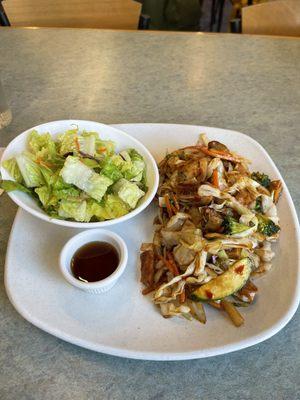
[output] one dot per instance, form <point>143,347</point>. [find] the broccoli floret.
<point>258,205</point>
<point>266,226</point>
<point>231,226</point>
<point>261,178</point>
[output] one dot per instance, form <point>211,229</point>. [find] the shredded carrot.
<point>218,153</point>
<point>77,143</point>
<point>101,149</point>
<point>182,296</point>
<point>215,178</point>
<point>176,204</point>
<point>215,305</point>
<point>173,262</point>
<point>150,288</point>
<point>168,205</point>
<point>167,263</point>
<point>44,164</point>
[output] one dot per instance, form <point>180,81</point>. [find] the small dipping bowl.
<point>88,236</point>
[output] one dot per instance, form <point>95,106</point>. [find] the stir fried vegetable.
<point>212,233</point>
<point>261,178</point>
<point>78,176</point>
<point>266,226</point>
<point>231,226</point>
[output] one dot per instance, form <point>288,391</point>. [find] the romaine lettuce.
<point>129,192</point>
<point>75,209</point>
<point>78,176</point>
<point>10,186</point>
<point>12,167</point>
<point>44,194</point>
<point>43,147</point>
<point>30,170</point>
<point>76,173</point>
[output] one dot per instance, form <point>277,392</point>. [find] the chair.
<point>280,17</point>
<point>107,14</point>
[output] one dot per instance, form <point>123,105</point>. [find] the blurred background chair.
<point>278,17</point>
<point>174,15</point>
<point>106,14</point>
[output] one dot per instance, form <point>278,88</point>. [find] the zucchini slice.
<point>226,284</point>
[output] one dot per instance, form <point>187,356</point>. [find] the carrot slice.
<point>150,288</point>
<point>77,143</point>
<point>176,204</point>
<point>182,296</point>
<point>215,178</point>
<point>173,262</point>
<point>214,305</point>
<point>168,205</point>
<point>168,264</point>
<point>220,154</point>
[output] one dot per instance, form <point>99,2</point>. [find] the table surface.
<point>244,83</point>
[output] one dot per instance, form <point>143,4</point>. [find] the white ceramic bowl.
<point>122,140</point>
<point>79,240</point>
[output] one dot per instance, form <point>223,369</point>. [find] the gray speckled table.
<point>250,84</point>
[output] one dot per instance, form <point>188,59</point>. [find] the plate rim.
<point>170,356</point>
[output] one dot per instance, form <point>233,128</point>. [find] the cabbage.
<point>12,168</point>
<point>129,192</point>
<point>30,170</point>
<point>76,173</point>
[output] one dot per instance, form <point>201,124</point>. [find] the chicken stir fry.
<point>213,232</point>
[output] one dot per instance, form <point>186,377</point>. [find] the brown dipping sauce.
<point>94,261</point>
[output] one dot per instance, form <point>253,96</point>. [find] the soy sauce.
<point>94,261</point>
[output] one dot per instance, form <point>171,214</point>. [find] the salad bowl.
<point>121,140</point>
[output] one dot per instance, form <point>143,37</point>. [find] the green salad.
<point>78,176</point>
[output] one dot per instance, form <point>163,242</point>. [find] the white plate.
<point>106,132</point>
<point>125,323</point>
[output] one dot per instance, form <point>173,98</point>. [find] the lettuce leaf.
<point>12,168</point>
<point>133,165</point>
<point>138,165</point>
<point>44,148</point>
<point>87,143</point>
<point>104,147</point>
<point>111,170</point>
<point>129,192</point>
<point>110,207</point>
<point>10,186</point>
<point>44,195</point>
<point>78,174</point>
<point>30,170</point>
<point>67,142</point>
<point>75,209</point>
<point>72,142</point>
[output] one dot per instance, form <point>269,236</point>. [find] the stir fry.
<point>213,232</point>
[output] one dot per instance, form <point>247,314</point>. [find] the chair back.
<point>107,14</point>
<point>280,17</point>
